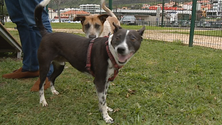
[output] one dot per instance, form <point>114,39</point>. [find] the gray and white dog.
<point>101,57</point>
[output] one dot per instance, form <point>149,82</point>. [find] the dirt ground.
<point>207,41</point>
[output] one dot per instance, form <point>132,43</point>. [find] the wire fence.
<point>203,36</point>
<point>173,21</point>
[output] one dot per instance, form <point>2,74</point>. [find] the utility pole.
<point>110,4</point>
<point>162,13</point>
<point>192,26</point>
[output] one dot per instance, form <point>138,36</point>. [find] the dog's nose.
<point>121,50</point>
<point>92,36</point>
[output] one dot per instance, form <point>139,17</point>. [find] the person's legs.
<point>27,8</point>
<point>17,17</point>
<point>22,14</point>
<point>36,37</point>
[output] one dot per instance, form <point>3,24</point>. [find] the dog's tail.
<point>108,11</point>
<point>38,16</point>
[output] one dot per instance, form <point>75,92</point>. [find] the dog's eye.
<point>133,38</point>
<point>118,37</point>
<point>87,26</point>
<point>97,26</point>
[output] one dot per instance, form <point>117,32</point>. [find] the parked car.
<point>66,21</point>
<point>55,21</point>
<point>185,23</point>
<point>175,24</point>
<point>219,24</point>
<point>169,24</point>
<point>128,20</point>
<point>199,23</point>
<point>207,24</point>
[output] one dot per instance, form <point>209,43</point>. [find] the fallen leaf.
<point>131,91</point>
<point>116,110</point>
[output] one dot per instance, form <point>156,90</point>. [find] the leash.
<point>88,60</point>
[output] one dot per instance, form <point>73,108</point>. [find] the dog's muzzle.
<point>92,36</point>
<point>123,54</point>
<point>123,58</point>
<point>121,50</point>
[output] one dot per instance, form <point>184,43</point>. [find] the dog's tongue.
<point>124,58</point>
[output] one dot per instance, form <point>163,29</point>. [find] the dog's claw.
<point>55,92</point>
<point>44,103</point>
<point>109,120</point>
<point>109,109</point>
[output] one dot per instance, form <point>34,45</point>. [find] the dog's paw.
<point>54,92</point>
<point>108,120</point>
<point>109,109</point>
<point>44,103</point>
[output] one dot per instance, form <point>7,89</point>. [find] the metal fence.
<point>173,21</point>
<point>204,35</point>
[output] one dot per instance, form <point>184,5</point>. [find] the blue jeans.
<point>21,13</point>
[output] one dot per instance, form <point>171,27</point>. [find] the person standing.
<point>21,13</point>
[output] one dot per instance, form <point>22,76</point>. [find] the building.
<point>52,13</point>
<point>217,5</point>
<point>91,8</point>
<point>216,10</point>
<point>73,13</point>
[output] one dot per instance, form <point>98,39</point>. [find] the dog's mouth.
<point>124,58</point>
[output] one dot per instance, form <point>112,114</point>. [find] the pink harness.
<point>88,61</point>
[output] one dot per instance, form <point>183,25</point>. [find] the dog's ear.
<point>103,17</point>
<point>80,18</point>
<point>141,31</point>
<point>117,27</point>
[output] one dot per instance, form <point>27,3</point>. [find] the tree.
<point>58,3</point>
<point>3,11</point>
<point>175,5</point>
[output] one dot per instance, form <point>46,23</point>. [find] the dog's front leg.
<point>42,96</point>
<point>102,92</point>
<point>106,89</point>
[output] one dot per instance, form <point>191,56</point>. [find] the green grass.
<point>209,33</point>
<point>15,35</point>
<point>9,25</point>
<point>66,25</point>
<point>164,83</point>
<point>54,25</point>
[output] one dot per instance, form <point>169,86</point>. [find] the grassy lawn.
<point>54,25</point>
<point>164,83</point>
<point>15,35</point>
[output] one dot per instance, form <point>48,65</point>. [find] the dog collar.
<point>112,59</point>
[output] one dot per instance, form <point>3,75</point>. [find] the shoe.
<point>17,74</point>
<point>35,87</point>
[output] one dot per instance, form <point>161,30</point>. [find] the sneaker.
<point>17,74</point>
<point>35,87</point>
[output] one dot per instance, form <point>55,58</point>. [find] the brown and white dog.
<point>101,57</point>
<point>96,25</point>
